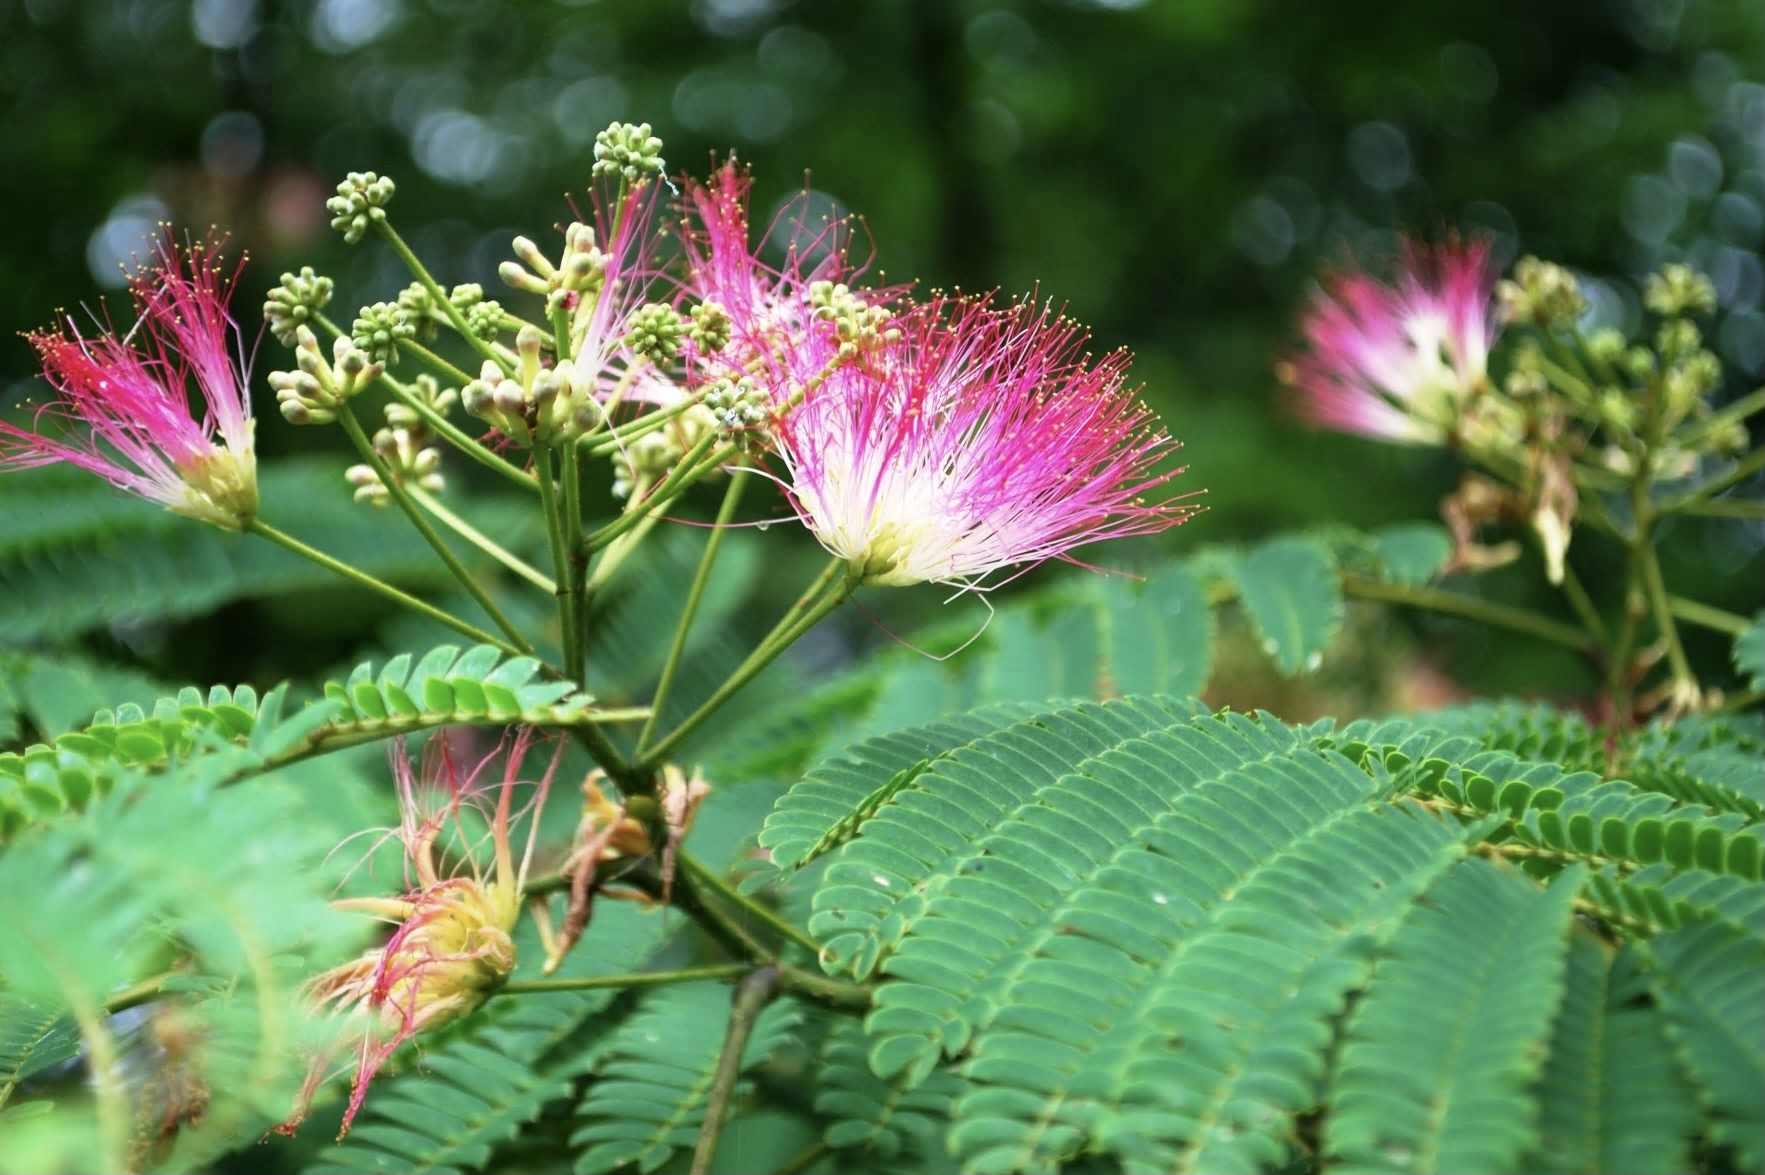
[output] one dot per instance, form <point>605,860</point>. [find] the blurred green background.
<point>1176,172</point>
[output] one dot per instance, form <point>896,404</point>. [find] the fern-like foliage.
<point>1749,652</point>
<point>647,1099</point>
<point>1471,980</point>
<point>480,1087</point>
<point>896,1124</point>
<point>75,554</point>
<point>444,687</point>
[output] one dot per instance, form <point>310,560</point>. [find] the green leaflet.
<point>1710,981</point>
<point>1289,588</point>
<point>647,1098</point>
<point>1749,652</point>
<point>1470,981</point>
<point>1607,1099</point>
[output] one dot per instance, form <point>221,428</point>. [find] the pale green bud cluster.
<point>294,302</point>
<point>484,316</point>
<point>630,152</point>
<point>378,329</point>
<point>537,404</point>
<point>426,391</point>
<point>654,455</point>
<point>1542,293</point>
<point>314,392</point>
<point>654,331</point>
<point>361,200</point>
<point>582,269</point>
<point>410,458</point>
<point>858,325</point>
<point>711,329</point>
<point>1679,290</point>
<point>739,406</point>
<point>420,310</point>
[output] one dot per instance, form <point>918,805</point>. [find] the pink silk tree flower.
<point>769,308</point>
<point>1398,361</point>
<point>980,439</point>
<point>452,943</point>
<point>123,407</point>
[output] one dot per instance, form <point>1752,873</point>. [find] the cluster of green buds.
<point>406,445</point>
<point>1541,293</point>
<point>295,302</point>
<point>378,329</point>
<point>655,331</point>
<point>741,408</point>
<point>576,279</point>
<point>630,152</point>
<point>711,328</point>
<point>361,200</point>
<point>536,405</point>
<point>313,393</point>
<point>860,326</point>
<point>651,457</point>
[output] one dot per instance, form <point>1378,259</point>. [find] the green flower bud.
<point>293,303</point>
<point>379,327</point>
<point>711,327</point>
<point>1617,410</point>
<point>420,310</point>
<point>1606,345</point>
<point>630,152</point>
<point>654,331</point>
<point>1678,339</point>
<point>466,295</point>
<point>1639,363</point>
<point>485,319</point>
<point>740,407</point>
<point>427,392</point>
<point>1678,290</point>
<point>361,199</point>
<point>1542,293</point>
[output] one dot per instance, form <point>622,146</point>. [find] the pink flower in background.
<point>1396,361</point>
<point>123,407</point>
<point>980,439</point>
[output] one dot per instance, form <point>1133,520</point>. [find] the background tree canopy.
<point>1175,173</point>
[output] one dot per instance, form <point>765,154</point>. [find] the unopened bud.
<point>294,302</point>
<point>378,329</point>
<point>361,199</point>
<point>630,152</point>
<point>1679,290</point>
<point>1542,293</point>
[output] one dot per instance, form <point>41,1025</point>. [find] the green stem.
<point>460,440</point>
<point>458,375</point>
<point>619,438</point>
<point>689,469</point>
<point>352,426</point>
<point>757,989</point>
<point>576,590</point>
<point>442,301</point>
<point>1487,611</point>
<point>644,979</point>
<point>731,497</point>
<point>481,540</point>
<point>1726,508</point>
<point>710,880</point>
<point>1735,703</point>
<point>806,1158</point>
<point>802,616</point>
<point>1745,468</point>
<point>1619,686</point>
<point>1660,604</point>
<point>1583,605</point>
<point>265,530</point>
<point>1706,616</point>
<point>558,542</point>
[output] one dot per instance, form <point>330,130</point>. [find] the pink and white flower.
<point>1398,361</point>
<point>123,407</point>
<point>453,944</point>
<point>980,439</point>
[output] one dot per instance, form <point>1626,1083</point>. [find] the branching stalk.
<point>756,989</point>
<point>1487,611</point>
<point>440,297</point>
<point>731,498</point>
<point>643,979</point>
<point>481,540</point>
<point>470,631</point>
<point>352,426</point>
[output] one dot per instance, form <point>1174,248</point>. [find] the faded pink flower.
<point>769,308</point>
<point>124,409</point>
<point>979,439</point>
<point>453,943</point>
<point>1396,361</point>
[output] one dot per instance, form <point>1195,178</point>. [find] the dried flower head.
<point>978,439</point>
<point>1397,361</point>
<point>124,402</point>
<point>452,941</point>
